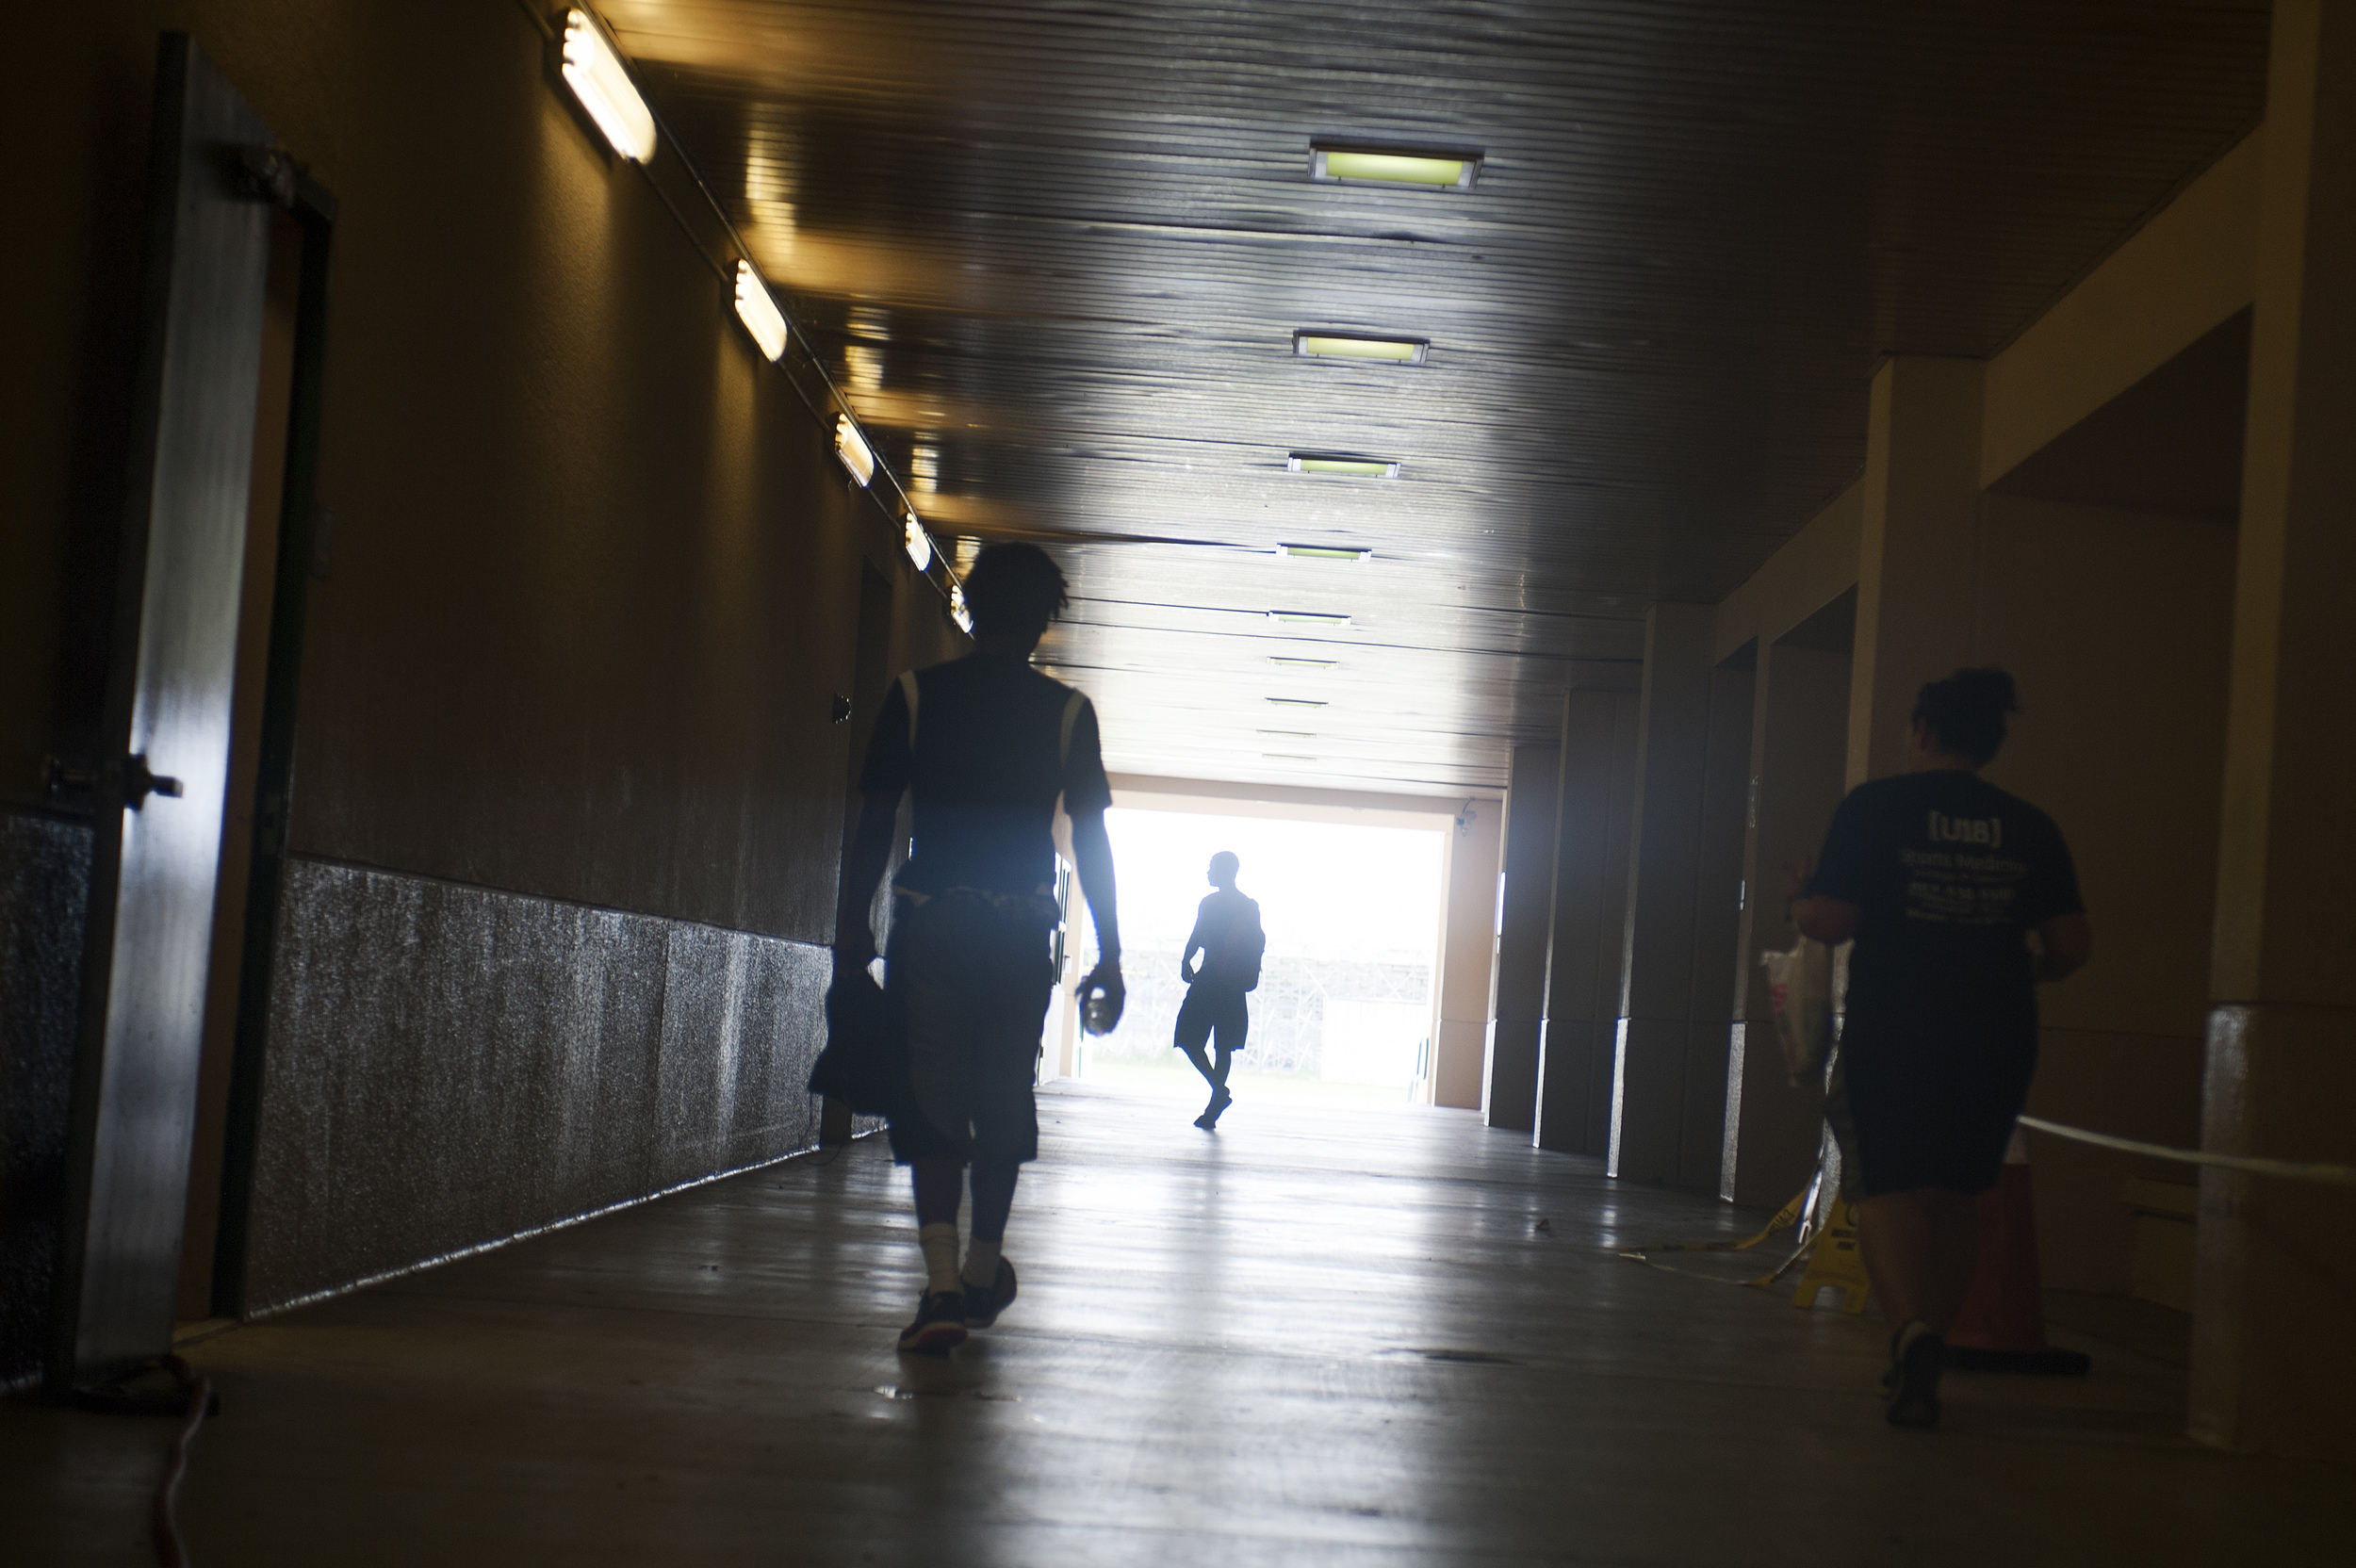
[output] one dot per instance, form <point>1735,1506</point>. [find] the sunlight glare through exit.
<point>1345,1006</point>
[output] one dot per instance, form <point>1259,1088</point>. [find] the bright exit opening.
<point>1344,1008</point>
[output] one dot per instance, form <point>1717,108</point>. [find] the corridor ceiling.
<point>1055,255</point>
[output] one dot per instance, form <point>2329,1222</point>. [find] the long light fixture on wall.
<point>852,449</point>
<point>759,312</point>
<point>592,71</point>
<point>599,80</point>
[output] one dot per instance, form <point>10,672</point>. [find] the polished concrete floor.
<point>1324,1335</point>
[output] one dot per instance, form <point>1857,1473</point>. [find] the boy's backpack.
<point>1245,946</point>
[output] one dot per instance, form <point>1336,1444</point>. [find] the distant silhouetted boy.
<point>1227,934</point>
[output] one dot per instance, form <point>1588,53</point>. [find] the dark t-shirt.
<point>1949,873</point>
<point>1226,927</point>
<point>985,773</point>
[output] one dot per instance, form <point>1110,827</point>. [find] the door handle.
<point>125,780</point>
<point>138,783</point>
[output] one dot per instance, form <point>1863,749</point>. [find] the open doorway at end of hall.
<point>1351,903</point>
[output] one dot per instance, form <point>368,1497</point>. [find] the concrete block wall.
<point>44,885</point>
<point>451,1066</point>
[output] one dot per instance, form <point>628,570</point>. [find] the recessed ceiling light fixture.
<point>597,77</point>
<point>1286,661</point>
<point>852,449</point>
<point>1297,702</point>
<point>917,543</point>
<point>759,312</point>
<point>1432,169</point>
<point>1326,552</point>
<point>1307,617</point>
<point>1350,345</point>
<point>1341,462</point>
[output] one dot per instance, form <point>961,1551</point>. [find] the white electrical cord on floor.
<point>2289,1170</point>
<point>170,1550</point>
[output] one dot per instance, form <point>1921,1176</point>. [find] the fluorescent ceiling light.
<point>1284,757</point>
<point>1431,169</point>
<point>1297,702</point>
<point>1291,734</point>
<point>599,80</point>
<point>918,544</point>
<point>1307,617</point>
<point>852,449</point>
<point>958,611</point>
<point>1344,345</point>
<point>1285,662</point>
<point>1341,462</point>
<point>1325,552</point>
<point>759,312</point>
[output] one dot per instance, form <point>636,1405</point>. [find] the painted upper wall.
<point>2174,281</point>
<point>2169,284</point>
<point>595,570</point>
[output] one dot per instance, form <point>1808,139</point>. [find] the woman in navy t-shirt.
<point>1941,879</point>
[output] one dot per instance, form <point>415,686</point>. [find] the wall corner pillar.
<point>1676,1003</point>
<point>1509,1088</point>
<point>2273,1367</point>
<point>1597,796</point>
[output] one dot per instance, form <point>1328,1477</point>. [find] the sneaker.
<point>1220,1101</point>
<point>1912,1385</point>
<point>982,1303</point>
<point>940,1324</point>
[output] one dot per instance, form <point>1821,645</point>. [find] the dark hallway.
<point>1372,1354</point>
<point>579,586</point>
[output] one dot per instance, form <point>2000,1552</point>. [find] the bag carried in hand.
<point>858,1066</point>
<point>1799,992</point>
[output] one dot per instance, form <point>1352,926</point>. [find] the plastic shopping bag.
<point>1799,991</point>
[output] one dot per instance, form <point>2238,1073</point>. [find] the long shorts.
<point>1931,1098</point>
<point>967,981</point>
<point>1206,1011</point>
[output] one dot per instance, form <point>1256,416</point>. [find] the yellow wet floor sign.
<point>1793,1213</point>
<point>1832,1260</point>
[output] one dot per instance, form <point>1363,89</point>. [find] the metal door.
<point>159,784</point>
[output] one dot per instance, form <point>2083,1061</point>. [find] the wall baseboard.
<point>449,1068</point>
<point>44,900</point>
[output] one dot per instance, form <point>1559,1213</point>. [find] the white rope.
<point>2291,1170</point>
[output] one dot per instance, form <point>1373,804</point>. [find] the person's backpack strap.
<point>1063,747</point>
<point>907,692</point>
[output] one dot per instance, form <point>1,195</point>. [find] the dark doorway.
<point>221,429</point>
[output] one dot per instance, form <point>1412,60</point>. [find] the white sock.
<point>981,1262</point>
<point>940,1243</point>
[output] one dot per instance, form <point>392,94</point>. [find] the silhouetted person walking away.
<point>1227,934</point>
<point>985,744</point>
<point>1943,879</point>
